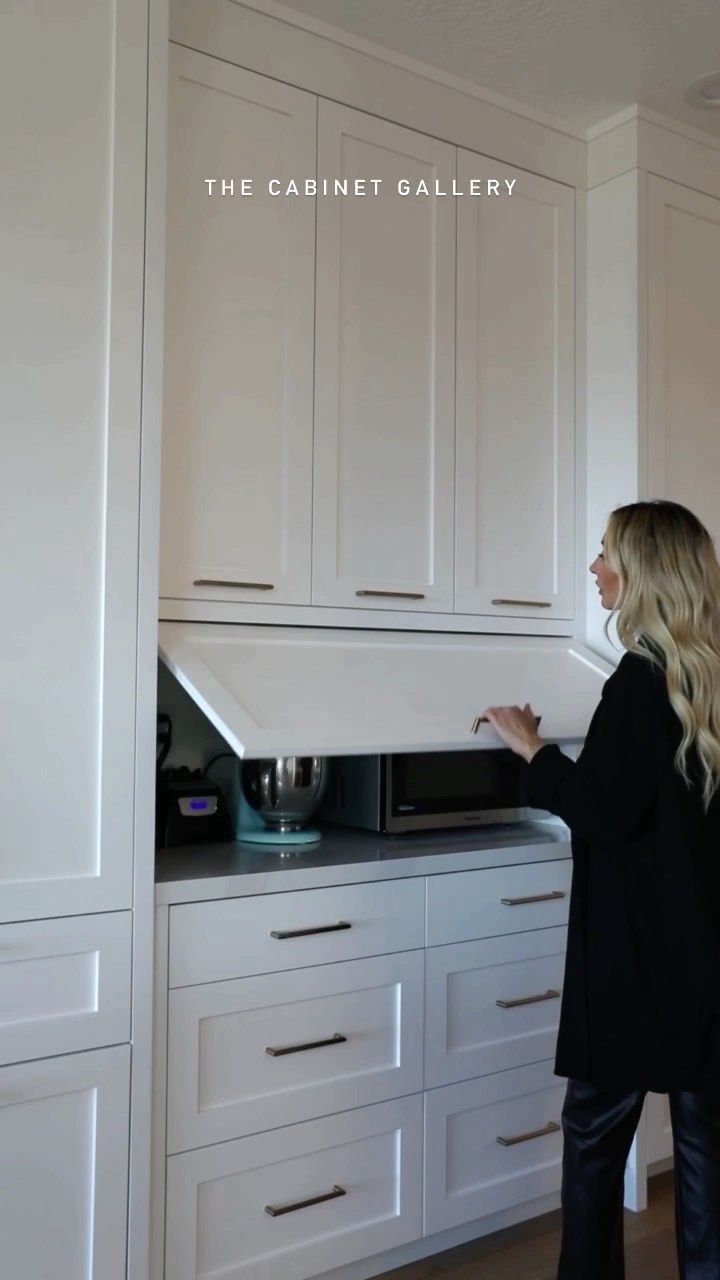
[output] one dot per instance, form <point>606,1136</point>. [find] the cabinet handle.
<point>311,1044</point>
<point>537,897</point>
<point>513,1004</point>
<point>223,582</point>
<point>276,1210</point>
<point>394,595</point>
<point>550,1127</point>
<point>532,604</point>
<point>305,933</point>
<point>484,720</point>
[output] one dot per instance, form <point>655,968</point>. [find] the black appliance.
<point>189,808</point>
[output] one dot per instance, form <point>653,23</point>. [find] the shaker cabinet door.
<point>71,332</point>
<point>384,370</point>
<point>63,1170</point>
<point>515,389</point>
<point>684,349</point>
<point>237,431</point>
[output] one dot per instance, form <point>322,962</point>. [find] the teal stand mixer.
<point>272,799</point>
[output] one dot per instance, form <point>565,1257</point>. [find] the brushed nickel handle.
<point>394,595</point>
<point>536,897</point>
<point>532,604</point>
<point>305,933</point>
<point>276,1210</point>
<point>226,582</point>
<point>550,1127</point>
<point>484,720</point>
<point>513,1004</point>
<point>310,1044</point>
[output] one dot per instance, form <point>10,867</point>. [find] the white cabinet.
<point>63,1171</point>
<point>234,937</point>
<point>384,370</point>
<point>491,1143</point>
<point>237,431</point>
<point>300,1035</point>
<point>71,320</point>
<point>499,900</point>
<point>260,1052</point>
<point>492,1004</point>
<point>295,1202</point>
<point>515,397</point>
<point>659,1135</point>
<point>64,984</point>
<point>684,349</point>
<point>73,99</point>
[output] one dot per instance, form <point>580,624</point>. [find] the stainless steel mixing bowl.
<point>286,790</point>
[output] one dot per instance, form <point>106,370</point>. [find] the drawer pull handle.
<point>394,595</point>
<point>305,933</point>
<point>228,582</point>
<point>550,1127</point>
<point>532,604</point>
<point>300,1048</point>
<point>536,897</point>
<point>275,1210</point>
<point>513,1004</point>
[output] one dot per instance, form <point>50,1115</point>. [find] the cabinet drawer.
<point>235,937</point>
<point>224,1083</point>
<point>468,1172</point>
<point>482,904</point>
<point>369,1161</point>
<point>493,1004</point>
<point>64,985</point>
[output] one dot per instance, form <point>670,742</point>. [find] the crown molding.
<point>328,31</point>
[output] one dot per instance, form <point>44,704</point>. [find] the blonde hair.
<point>669,596</point>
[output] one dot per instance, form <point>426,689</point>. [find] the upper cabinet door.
<point>237,432</point>
<point>515,389</point>
<point>684,349</point>
<point>384,372</point>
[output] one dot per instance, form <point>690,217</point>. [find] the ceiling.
<point>580,61</point>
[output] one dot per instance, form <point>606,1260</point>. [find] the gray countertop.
<point>191,873</point>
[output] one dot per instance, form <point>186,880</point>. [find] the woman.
<point>641,1000</point>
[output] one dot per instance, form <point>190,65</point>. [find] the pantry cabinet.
<point>515,389</point>
<point>237,429</point>
<point>384,371</point>
<point>684,348</point>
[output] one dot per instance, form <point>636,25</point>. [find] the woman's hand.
<point>517,727</point>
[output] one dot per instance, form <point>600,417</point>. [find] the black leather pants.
<point>598,1127</point>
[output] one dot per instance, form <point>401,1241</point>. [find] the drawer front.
<point>493,1004</point>
<point>341,1188</point>
<point>468,1172</point>
<point>483,904</point>
<point>64,985</point>
<point>236,937</point>
<point>342,1035</point>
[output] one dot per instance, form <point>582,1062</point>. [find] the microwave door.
<point>431,790</point>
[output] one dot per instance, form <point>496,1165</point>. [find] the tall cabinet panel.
<point>684,349</point>
<point>72,156</point>
<point>383,474</point>
<point>515,389</point>
<point>237,435</point>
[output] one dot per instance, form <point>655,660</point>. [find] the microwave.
<point>424,791</point>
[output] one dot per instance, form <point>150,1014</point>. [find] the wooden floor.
<point>529,1251</point>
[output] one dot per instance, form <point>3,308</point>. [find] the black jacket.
<point>641,998</point>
